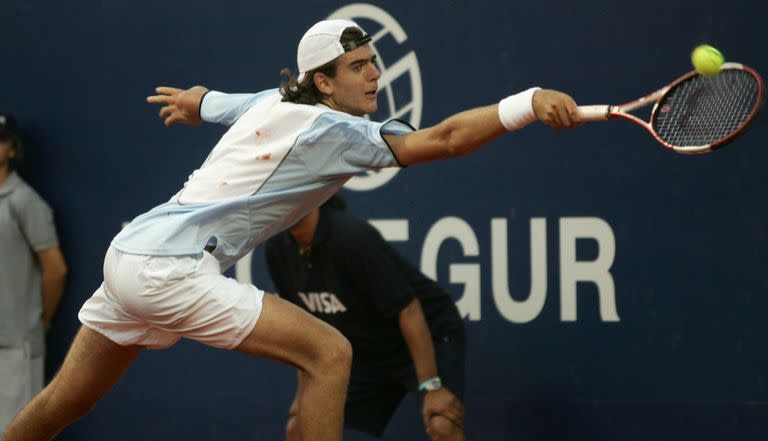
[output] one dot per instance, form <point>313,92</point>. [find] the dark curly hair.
<point>306,92</point>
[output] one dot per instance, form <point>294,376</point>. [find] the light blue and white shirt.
<point>276,163</point>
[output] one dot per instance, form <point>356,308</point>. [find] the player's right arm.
<point>197,104</point>
<point>467,131</point>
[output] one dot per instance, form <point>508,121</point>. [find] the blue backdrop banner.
<point>612,290</point>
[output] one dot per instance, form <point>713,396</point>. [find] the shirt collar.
<point>10,184</point>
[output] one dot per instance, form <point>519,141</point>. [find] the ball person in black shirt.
<point>406,332</point>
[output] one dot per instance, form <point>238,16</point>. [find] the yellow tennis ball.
<point>707,60</point>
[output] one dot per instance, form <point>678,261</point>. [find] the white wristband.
<point>516,111</point>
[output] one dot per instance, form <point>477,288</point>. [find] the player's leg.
<point>188,296</point>
<point>92,366</point>
<point>286,333</point>
<point>292,426</point>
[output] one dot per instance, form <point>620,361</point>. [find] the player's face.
<point>354,89</point>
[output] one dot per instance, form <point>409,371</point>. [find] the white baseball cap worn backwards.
<point>321,44</point>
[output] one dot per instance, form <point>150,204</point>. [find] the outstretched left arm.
<point>467,131</point>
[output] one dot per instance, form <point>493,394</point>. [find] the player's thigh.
<point>287,333</point>
<point>92,366</point>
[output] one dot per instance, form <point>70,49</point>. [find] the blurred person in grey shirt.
<point>32,276</point>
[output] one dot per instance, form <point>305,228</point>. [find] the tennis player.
<point>286,152</point>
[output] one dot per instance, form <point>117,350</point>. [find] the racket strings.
<point>704,110</point>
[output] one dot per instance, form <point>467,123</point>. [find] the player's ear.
<point>323,83</point>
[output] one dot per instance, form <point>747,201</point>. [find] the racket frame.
<point>605,112</point>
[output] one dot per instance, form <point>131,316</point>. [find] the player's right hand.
<point>556,109</point>
<point>179,106</point>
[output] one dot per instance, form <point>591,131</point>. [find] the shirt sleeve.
<point>226,109</point>
<point>35,219</point>
<point>339,144</point>
<point>379,274</point>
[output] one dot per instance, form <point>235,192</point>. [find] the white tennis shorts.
<point>153,301</point>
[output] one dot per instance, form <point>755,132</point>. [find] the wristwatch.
<point>430,385</point>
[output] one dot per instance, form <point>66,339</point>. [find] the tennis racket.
<point>695,113</point>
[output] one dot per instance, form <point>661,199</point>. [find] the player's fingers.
<point>573,111</point>
<point>165,90</point>
<point>173,119</point>
<point>575,115</point>
<point>161,99</point>
<point>553,118</point>
<point>564,117</point>
<point>167,110</point>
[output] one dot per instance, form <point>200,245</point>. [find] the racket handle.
<point>595,113</point>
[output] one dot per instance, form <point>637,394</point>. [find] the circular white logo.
<point>406,67</point>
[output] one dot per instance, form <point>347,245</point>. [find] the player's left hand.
<point>180,106</point>
<point>443,402</point>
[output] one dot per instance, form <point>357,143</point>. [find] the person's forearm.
<point>52,288</point>
<point>467,131</point>
<point>457,135</point>
<point>415,330</point>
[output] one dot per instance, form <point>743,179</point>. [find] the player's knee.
<point>330,358</point>
<point>338,352</point>
<point>441,428</point>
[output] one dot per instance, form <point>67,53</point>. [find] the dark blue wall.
<point>686,358</point>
